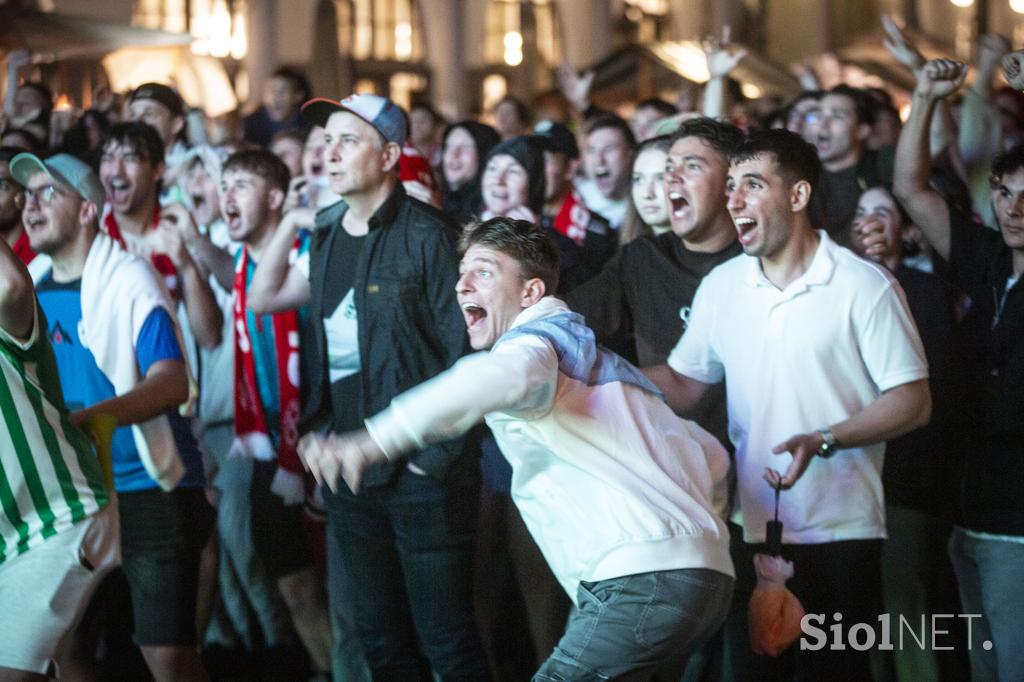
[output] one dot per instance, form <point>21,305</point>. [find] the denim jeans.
<point>990,574</point>
<point>407,550</point>
<point>637,624</point>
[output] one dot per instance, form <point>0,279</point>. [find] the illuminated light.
<point>63,102</point>
<point>750,91</point>
<point>365,86</point>
<point>403,40</point>
<point>513,41</point>
<point>239,43</point>
<point>905,112</point>
<point>513,57</point>
<point>495,87</point>
<point>962,3</point>
<point>220,30</point>
<point>1017,6</point>
<point>686,56</point>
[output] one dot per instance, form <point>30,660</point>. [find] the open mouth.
<point>474,315</point>
<point>232,217</point>
<point>746,228</point>
<point>198,201</point>
<point>119,190</point>
<point>679,203</point>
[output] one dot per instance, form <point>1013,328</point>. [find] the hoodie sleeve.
<point>519,377</point>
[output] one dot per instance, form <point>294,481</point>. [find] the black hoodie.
<point>465,203</point>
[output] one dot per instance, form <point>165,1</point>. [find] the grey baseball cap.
<point>65,169</point>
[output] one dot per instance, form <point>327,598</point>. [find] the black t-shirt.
<point>648,289</point>
<point>993,398</point>
<point>921,467</point>
<point>834,200</point>
<point>342,255</point>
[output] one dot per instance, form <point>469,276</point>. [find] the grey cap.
<point>70,172</point>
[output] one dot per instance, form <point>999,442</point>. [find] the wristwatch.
<point>829,444</point>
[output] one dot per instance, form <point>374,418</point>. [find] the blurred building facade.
<point>463,55</point>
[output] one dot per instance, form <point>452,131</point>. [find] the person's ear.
<point>799,196</point>
<point>88,213</point>
<point>533,291</point>
<point>863,131</point>
<point>574,166</point>
<point>177,125</point>
<point>275,199</point>
<point>390,156</point>
<point>19,200</point>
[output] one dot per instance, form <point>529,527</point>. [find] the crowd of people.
<point>359,393</point>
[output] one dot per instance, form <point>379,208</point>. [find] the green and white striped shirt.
<point>50,477</point>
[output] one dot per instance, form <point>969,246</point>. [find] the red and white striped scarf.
<point>251,434</point>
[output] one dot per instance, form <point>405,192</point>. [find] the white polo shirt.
<point>797,360</point>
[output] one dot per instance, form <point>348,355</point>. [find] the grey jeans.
<point>633,626</point>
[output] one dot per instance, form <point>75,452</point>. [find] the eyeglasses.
<point>45,195</point>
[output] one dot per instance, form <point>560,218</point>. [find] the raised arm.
<point>17,297</point>
<point>722,59</point>
<point>905,51</point>
<point>276,285</point>
<point>204,315</point>
<point>938,78</point>
<point>981,136</point>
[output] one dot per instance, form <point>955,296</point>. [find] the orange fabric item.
<point>774,613</point>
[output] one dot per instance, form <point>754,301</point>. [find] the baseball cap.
<point>65,169</point>
<point>555,137</point>
<point>158,92</point>
<point>380,112</point>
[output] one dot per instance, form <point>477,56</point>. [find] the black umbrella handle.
<point>773,531</point>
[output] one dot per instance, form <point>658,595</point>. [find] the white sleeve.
<point>518,377</point>
<point>694,354</point>
<point>890,345</point>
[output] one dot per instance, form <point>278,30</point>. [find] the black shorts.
<point>278,532</point>
<point>162,535</point>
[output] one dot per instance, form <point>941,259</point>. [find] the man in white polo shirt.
<point>821,358</point>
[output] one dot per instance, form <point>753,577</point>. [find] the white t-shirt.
<point>612,210</point>
<point>341,330</point>
<point>795,361</point>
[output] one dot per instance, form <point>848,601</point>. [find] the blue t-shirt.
<point>84,384</point>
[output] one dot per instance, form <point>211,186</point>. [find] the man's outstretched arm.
<point>520,378</point>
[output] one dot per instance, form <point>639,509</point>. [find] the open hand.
<point>722,56</point>
<point>802,447</point>
<point>900,45</point>
<point>575,86</point>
